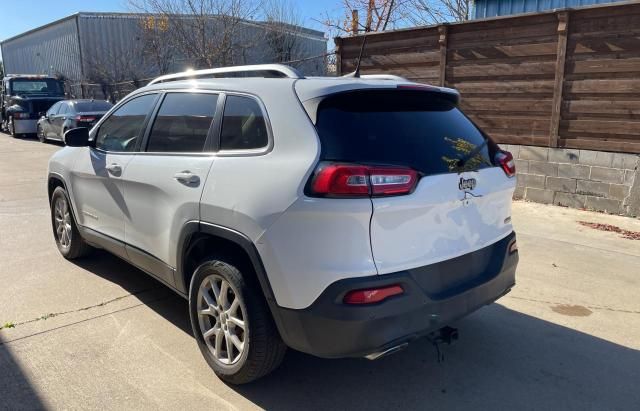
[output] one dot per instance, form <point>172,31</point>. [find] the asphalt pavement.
<point>99,334</point>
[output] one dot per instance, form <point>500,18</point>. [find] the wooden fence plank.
<point>620,107</point>
<point>603,86</point>
<point>505,105</point>
<point>626,127</point>
<point>503,69</point>
<point>517,87</point>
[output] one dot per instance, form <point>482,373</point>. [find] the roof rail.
<point>383,77</point>
<point>280,69</point>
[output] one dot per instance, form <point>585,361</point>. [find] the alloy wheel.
<point>221,315</point>
<point>62,218</point>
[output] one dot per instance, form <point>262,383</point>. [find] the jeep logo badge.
<point>469,184</point>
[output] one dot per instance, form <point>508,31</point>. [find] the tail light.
<point>372,295</point>
<point>354,180</point>
<point>21,115</point>
<point>85,119</point>
<point>505,159</point>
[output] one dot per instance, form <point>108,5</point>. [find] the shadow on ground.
<point>151,292</point>
<point>504,360</point>
<point>16,391</point>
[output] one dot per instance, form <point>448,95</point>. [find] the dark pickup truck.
<point>25,98</point>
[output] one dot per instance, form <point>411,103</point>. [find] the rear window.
<point>243,125</point>
<point>86,107</point>
<point>393,127</point>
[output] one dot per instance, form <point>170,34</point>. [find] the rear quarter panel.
<point>305,244</point>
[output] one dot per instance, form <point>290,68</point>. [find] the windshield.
<point>89,106</point>
<point>408,128</point>
<point>40,86</point>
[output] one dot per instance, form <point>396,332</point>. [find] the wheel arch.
<point>55,180</point>
<point>199,239</point>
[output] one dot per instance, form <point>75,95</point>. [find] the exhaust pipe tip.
<point>388,351</point>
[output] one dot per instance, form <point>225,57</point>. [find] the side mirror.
<point>77,137</point>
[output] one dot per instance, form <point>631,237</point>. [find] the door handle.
<point>114,169</point>
<point>187,177</point>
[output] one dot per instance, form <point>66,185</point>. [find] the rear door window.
<point>243,125</point>
<point>183,123</point>
<point>416,129</point>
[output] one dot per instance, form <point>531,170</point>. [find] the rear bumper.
<point>434,296</point>
<point>25,126</point>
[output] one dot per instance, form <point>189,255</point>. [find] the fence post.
<point>561,58</point>
<point>442,41</point>
<point>338,43</point>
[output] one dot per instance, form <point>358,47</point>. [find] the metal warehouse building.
<point>75,46</point>
<point>494,8</point>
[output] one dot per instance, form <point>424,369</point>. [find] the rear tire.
<point>220,298</point>
<point>68,239</point>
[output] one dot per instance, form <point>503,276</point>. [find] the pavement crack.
<point>81,321</point>
<point>11,324</point>
<point>592,307</point>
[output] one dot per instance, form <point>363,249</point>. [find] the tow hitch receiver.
<point>445,335</point>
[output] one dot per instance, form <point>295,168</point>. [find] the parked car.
<point>25,98</point>
<point>341,217</point>
<point>68,114</point>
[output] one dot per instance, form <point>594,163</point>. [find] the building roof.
<point>123,15</point>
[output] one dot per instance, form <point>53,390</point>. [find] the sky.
<point>29,14</point>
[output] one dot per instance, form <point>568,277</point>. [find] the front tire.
<point>232,324</point>
<point>12,128</point>
<point>40,134</point>
<point>70,244</point>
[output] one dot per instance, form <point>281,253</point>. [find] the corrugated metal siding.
<point>493,8</point>
<point>115,40</point>
<point>50,50</point>
<point>112,43</point>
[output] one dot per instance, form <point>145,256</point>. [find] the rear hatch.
<point>88,118</point>
<point>439,187</point>
<point>88,112</point>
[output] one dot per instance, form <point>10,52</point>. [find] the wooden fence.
<point>568,78</point>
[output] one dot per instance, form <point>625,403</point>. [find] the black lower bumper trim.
<point>331,329</point>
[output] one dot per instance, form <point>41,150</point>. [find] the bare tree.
<point>116,71</point>
<point>206,32</point>
<point>359,16</point>
<point>365,16</point>
<point>158,48</point>
<point>421,12</point>
<point>283,24</point>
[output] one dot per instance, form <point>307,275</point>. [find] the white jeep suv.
<point>342,217</point>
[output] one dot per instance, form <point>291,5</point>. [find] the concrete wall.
<point>594,180</point>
